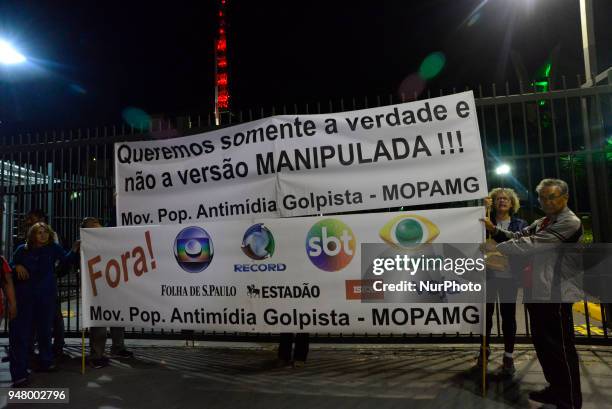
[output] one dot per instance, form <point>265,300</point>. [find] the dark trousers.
<point>508,317</point>
<point>506,289</point>
<point>301,346</point>
<point>97,340</point>
<point>34,309</point>
<point>58,330</point>
<point>552,333</point>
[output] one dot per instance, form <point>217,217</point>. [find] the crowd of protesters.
<point>29,282</point>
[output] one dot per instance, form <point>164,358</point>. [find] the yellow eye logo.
<point>409,231</point>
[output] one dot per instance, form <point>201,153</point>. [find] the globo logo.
<point>330,244</point>
<point>193,249</point>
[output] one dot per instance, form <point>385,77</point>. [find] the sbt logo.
<point>330,244</point>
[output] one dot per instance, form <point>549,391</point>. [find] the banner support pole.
<point>484,332</point>
<point>82,351</point>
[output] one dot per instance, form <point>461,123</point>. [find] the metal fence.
<point>564,133</point>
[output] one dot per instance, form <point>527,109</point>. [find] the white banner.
<point>267,275</point>
<point>293,165</point>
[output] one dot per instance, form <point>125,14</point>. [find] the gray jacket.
<point>555,256</point>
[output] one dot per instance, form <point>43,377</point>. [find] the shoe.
<point>508,368</point>
<point>21,383</point>
<point>546,395</point>
<point>49,368</point>
<point>124,353</point>
<point>479,360</point>
<point>62,356</point>
<point>99,362</point>
<point>282,363</point>
<point>299,364</point>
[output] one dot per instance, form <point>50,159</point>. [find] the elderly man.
<point>555,287</point>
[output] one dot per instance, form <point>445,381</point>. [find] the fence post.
<point>50,192</point>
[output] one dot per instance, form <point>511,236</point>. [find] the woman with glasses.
<point>501,282</point>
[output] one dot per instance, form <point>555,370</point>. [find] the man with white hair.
<point>554,288</point>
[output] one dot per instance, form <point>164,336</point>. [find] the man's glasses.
<point>549,198</point>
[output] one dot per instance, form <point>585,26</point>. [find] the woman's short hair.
<point>515,203</point>
<point>31,239</point>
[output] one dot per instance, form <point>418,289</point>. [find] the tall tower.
<point>222,95</point>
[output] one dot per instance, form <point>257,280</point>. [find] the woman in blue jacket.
<point>501,279</point>
<point>36,291</point>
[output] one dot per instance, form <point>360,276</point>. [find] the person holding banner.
<point>500,281</point>
<point>554,289</point>
<point>97,335</point>
<point>36,293</point>
<point>31,218</point>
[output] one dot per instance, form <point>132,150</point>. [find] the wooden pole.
<point>82,351</point>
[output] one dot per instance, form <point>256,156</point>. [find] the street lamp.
<point>502,169</point>
<point>9,55</point>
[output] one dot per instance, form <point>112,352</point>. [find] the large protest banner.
<point>266,275</point>
<point>409,154</point>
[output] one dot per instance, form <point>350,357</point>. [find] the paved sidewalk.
<point>241,375</point>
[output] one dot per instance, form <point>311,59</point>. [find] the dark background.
<point>90,60</point>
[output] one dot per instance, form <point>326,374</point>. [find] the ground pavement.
<point>170,374</point>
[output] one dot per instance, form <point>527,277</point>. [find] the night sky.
<point>90,60</point>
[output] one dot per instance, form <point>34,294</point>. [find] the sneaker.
<point>62,356</point>
<point>21,383</point>
<point>299,364</point>
<point>124,353</point>
<point>48,368</point>
<point>546,395</point>
<point>508,368</point>
<point>99,362</point>
<point>479,360</point>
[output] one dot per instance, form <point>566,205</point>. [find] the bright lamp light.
<point>8,54</point>
<point>502,169</point>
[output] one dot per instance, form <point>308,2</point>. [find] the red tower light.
<point>222,78</point>
<point>222,95</point>
<point>221,44</point>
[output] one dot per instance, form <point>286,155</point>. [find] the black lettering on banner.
<point>417,315</point>
<point>166,179</point>
<point>331,126</point>
<point>463,109</point>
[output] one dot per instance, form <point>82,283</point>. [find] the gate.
<point>564,133</point>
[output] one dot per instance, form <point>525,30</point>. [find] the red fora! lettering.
<point>135,261</point>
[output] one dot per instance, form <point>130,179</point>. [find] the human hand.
<point>22,272</point>
<point>488,246</point>
<point>76,246</point>
<point>488,224</point>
